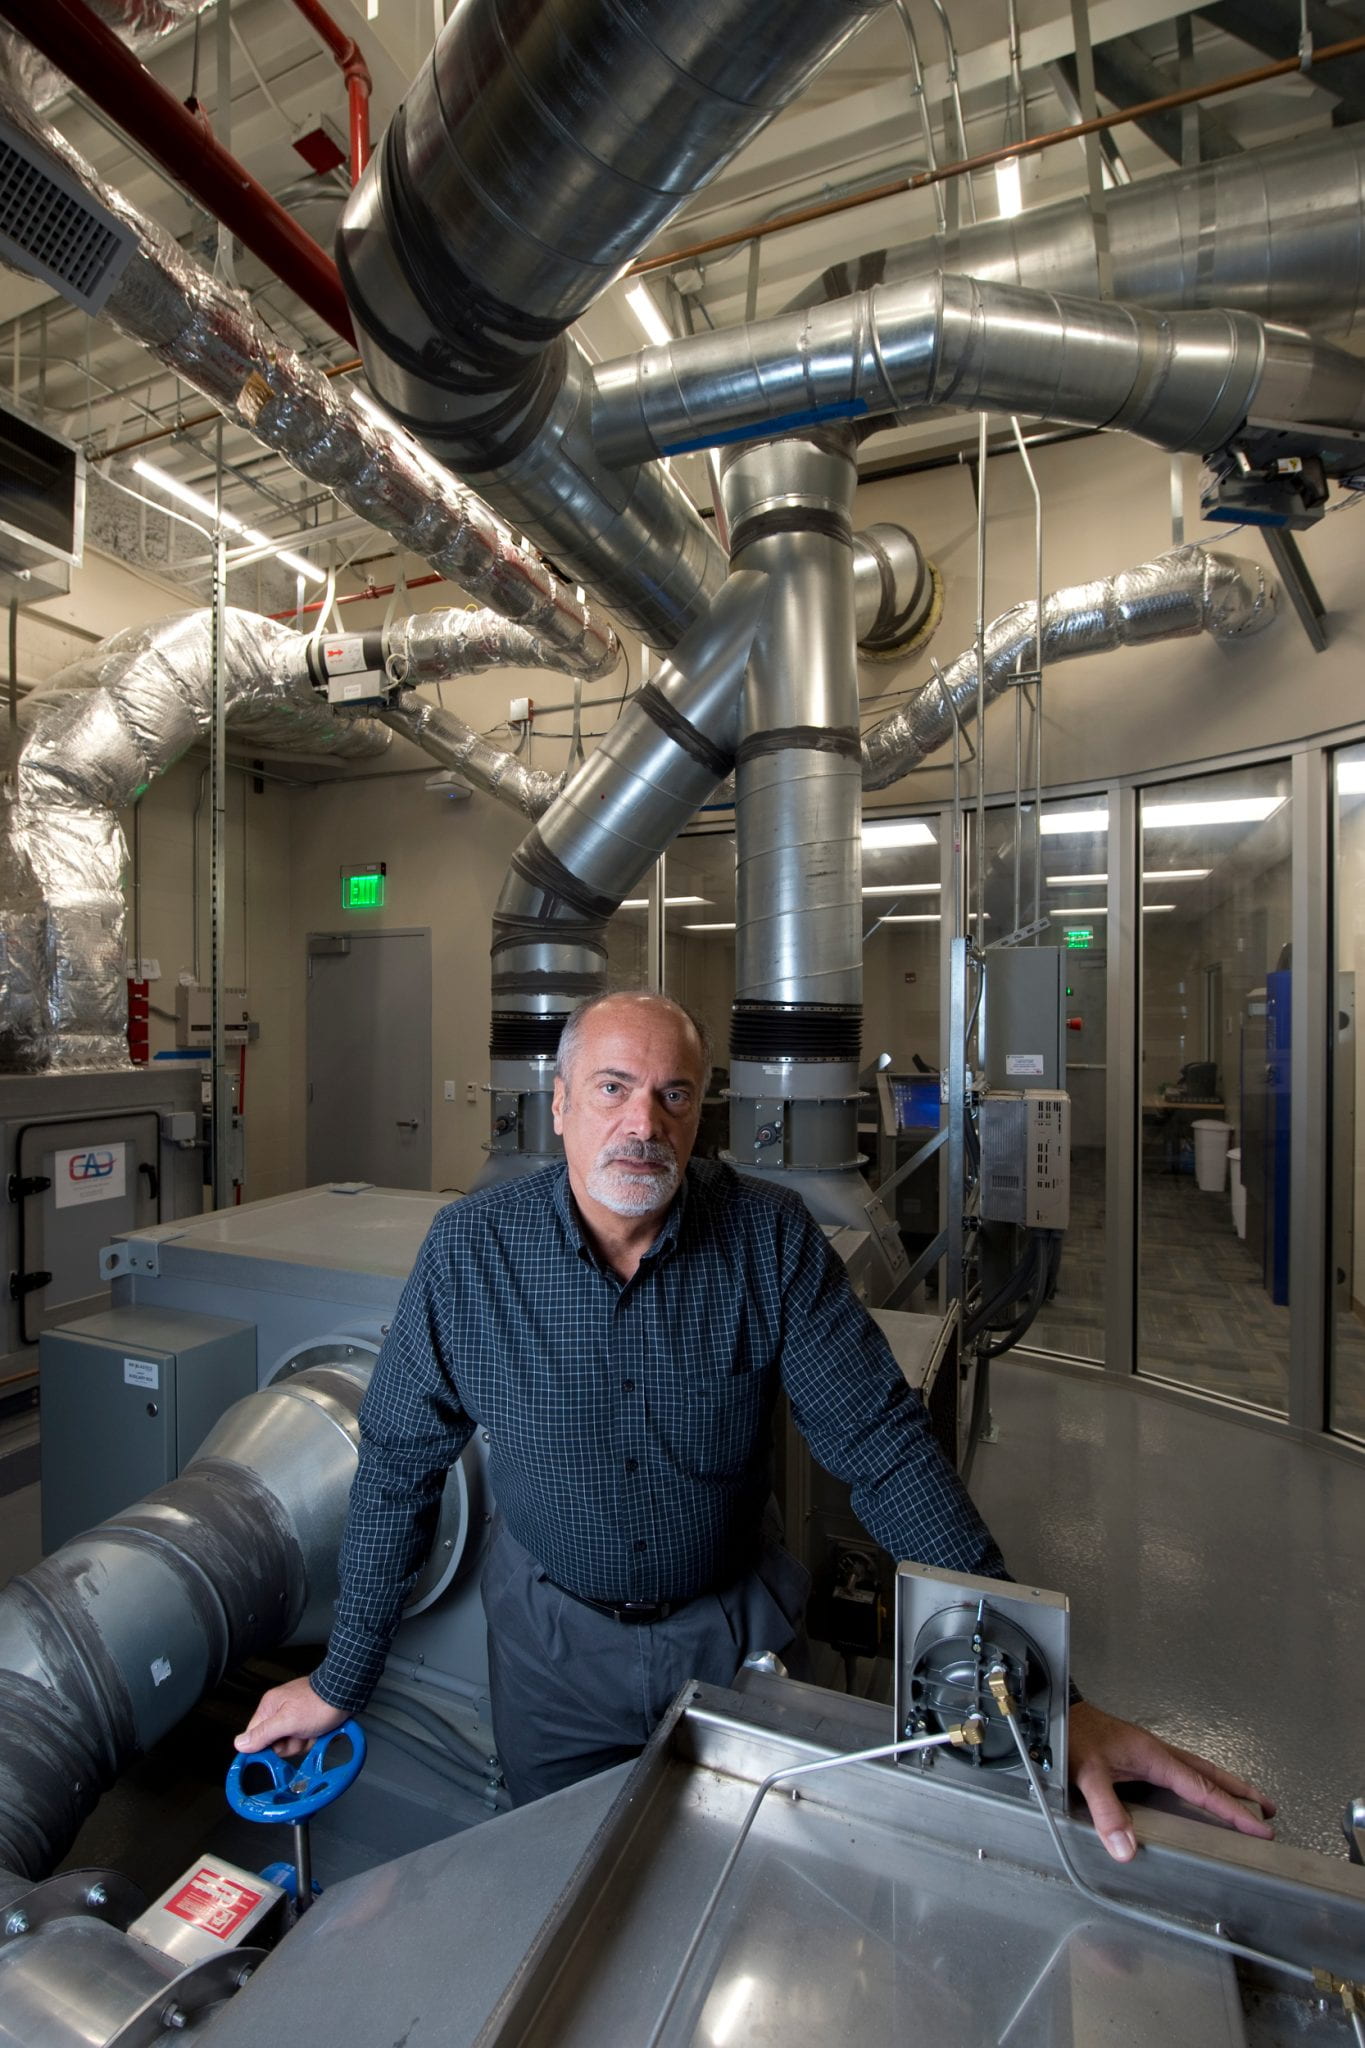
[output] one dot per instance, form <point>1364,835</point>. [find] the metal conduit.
<point>672,747</point>
<point>1190,590</point>
<point>1179,380</point>
<point>110,1641</point>
<point>536,152</point>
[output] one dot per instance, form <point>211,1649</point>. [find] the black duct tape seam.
<point>511,933</point>
<point>545,982</point>
<point>808,739</point>
<point>790,519</point>
<point>535,863</point>
<point>682,732</point>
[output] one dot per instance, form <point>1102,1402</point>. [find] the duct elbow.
<point>897,593</point>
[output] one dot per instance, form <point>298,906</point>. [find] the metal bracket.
<point>1017,938</point>
<point>21,1284</point>
<point>131,1255</point>
<point>21,1185</point>
<point>1285,553</point>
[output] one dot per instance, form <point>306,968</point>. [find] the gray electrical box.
<point>1026,1159</point>
<point>127,1399</point>
<point>1025,1007</point>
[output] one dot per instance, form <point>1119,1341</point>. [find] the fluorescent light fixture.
<point>1009,192</point>
<point>205,506</point>
<point>648,318</point>
<point>1148,875</point>
<point>904,889</point>
<point>899,832</point>
<point>708,927</point>
<point>915,917</point>
<point>670,902</point>
<point>1228,810</point>
<point>1150,909</point>
<point>1085,910</point>
<point>1351,778</point>
<point>1056,824</point>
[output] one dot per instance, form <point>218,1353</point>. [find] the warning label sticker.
<point>215,1902</point>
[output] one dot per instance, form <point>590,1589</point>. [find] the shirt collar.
<point>663,1246</point>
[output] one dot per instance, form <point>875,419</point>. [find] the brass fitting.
<point>968,1734</point>
<point>998,1681</point>
<point>1352,1995</point>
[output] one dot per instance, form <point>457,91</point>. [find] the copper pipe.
<point>1285,67</point>
<point>371,590</point>
<point>356,73</point>
<point>200,419</point>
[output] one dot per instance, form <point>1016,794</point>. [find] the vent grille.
<point>53,229</point>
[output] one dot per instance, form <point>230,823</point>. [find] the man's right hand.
<point>289,1720</point>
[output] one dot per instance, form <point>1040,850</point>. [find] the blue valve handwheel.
<point>299,1786</point>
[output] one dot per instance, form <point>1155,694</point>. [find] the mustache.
<point>640,1152</point>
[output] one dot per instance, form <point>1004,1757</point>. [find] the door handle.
<point>406,1123</point>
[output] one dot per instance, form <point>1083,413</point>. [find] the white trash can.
<point>1239,1193</point>
<point>1211,1153</point>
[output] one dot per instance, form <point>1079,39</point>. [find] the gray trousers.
<point>574,1692</point>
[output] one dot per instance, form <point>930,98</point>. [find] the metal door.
<point>369,1058</point>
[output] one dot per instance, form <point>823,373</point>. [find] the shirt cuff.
<point>348,1674</point>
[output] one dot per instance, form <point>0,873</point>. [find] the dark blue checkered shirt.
<point>629,1422</point>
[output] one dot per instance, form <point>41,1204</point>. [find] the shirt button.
<point>627,1386</point>
<point>640,1543</point>
<point>632,1464</point>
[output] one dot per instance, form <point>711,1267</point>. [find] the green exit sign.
<point>363,888</point>
<point>1079,936</point>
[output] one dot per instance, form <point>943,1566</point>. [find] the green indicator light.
<point>363,888</point>
<point>1071,991</point>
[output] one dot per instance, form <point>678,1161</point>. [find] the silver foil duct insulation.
<point>1190,590</point>
<point>447,738</point>
<point>93,738</point>
<point>139,23</point>
<point>206,333</point>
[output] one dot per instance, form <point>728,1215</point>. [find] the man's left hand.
<point>1102,1749</point>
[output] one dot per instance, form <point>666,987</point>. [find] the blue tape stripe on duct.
<point>785,423</point>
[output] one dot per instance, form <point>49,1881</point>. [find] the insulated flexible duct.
<point>671,748</point>
<point>102,729</point>
<point>1179,380</point>
<point>541,147</point>
<point>139,23</point>
<point>1279,232</point>
<point>206,333</point>
<point>1190,590</point>
<point>110,1641</point>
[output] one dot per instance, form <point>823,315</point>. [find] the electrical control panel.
<point>1026,1158</point>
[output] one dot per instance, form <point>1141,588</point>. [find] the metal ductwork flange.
<point>897,593</point>
<point>1190,590</point>
<point>537,151</point>
<point>663,758</point>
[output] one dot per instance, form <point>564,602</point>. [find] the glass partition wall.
<point>1186,1260</point>
<point>1215,1096</point>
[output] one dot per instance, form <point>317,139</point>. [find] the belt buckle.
<point>643,1612</point>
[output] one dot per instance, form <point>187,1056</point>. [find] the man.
<point>620,1325</point>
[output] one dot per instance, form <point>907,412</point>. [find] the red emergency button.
<point>1074,1023</point>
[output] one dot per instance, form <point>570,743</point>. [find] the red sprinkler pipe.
<point>356,73</point>
<point>110,76</point>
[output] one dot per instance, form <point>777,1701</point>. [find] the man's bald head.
<point>631,998</point>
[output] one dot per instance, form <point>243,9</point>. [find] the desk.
<point>1175,1132</point>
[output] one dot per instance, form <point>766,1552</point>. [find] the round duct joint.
<point>522,1035</point>
<point>796,1031</point>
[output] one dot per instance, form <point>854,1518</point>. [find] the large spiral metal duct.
<point>1180,380</point>
<point>1190,590</point>
<point>663,758</point>
<point>540,148</point>
<point>110,1641</point>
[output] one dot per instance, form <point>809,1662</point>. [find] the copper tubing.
<point>356,73</point>
<point>201,419</point>
<point>371,590</point>
<point>824,209</point>
<point>106,71</point>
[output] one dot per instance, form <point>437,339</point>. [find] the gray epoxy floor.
<point>1216,1573</point>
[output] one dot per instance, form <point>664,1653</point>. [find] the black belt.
<point>640,1612</point>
